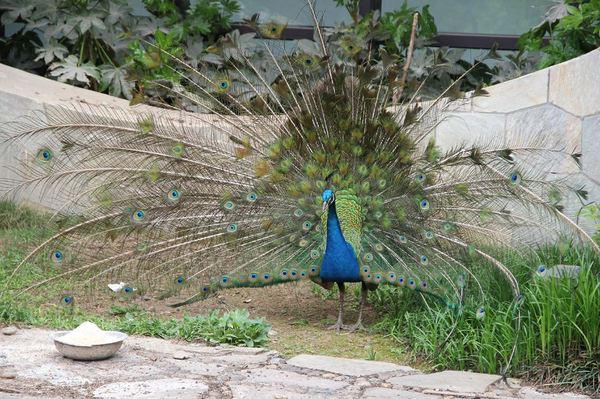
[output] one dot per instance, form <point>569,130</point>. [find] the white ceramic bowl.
<point>93,352</point>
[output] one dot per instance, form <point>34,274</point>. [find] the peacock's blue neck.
<point>339,261</point>
<point>334,230</point>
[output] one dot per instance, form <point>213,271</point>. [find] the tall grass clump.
<point>551,335</point>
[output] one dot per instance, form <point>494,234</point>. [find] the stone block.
<point>590,147</point>
<point>575,84</point>
<point>546,126</point>
<point>460,128</point>
<point>515,94</point>
<point>455,381</point>
<point>353,367</point>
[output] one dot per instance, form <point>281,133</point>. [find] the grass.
<point>552,336</point>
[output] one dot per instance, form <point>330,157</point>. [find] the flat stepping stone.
<point>291,379</point>
<point>153,389</point>
<point>352,367</point>
<point>261,392</point>
<point>388,393</point>
<point>454,381</point>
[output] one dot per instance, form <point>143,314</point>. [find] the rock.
<point>328,375</point>
<point>154,389</point>
<point>181,355</point>
<point>247,300</point>
<point>362,382</point>
<point>353,367</point>
<point>272,333</point>
<point>10,330</point>
<point>455,381</point>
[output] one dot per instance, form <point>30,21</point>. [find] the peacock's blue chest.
<point>339,261</point>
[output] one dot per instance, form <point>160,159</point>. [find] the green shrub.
<point>573,27</point>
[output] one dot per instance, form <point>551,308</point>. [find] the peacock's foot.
<point>358,326</point>
<point>339,326</point>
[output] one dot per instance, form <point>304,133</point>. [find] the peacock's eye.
<point>177,150</point>
<point>424,204</point>
<point>57,256</point>
<point>402,238</point>
<point>180,280</point>
<point>515,178</point>
<point>308,61</point>
<point>229,205</point>
<point>273,29</point>
<point>173,196</point>
<point>44,155</point>
<point>307,225</point>
<point>128,290</point>
<point>224,85</point>
<point>251,197</point>
<point>424,260</point>
<point>480,314</point>
<point>232,228</point>
<point>139,216</point>
<point>67,299</point>
<point>420,178</point>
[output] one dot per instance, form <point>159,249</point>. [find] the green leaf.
<point>115,79</point>
<point>69,70</point>
<point>51,51</point>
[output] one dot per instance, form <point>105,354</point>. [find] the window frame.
<point>443,39</point>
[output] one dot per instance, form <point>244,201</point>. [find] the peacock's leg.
<point>363,299</point>
<point>339,325</point>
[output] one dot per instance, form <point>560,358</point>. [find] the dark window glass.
<point>511,17</point>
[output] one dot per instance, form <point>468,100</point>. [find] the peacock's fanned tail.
<point>181,207</point>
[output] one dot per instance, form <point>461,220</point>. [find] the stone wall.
<point>562,102</point>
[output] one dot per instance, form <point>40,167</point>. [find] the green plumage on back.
<point>350,214</point>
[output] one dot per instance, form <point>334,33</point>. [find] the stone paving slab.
<point>455,381</point>
<point>149,368</point>
<point>387,393</point>
<point>353,367</point>
<point>156,389</point>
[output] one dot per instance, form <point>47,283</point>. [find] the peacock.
<point>304,168</point>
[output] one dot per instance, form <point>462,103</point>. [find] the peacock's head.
<point>328,197</point>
